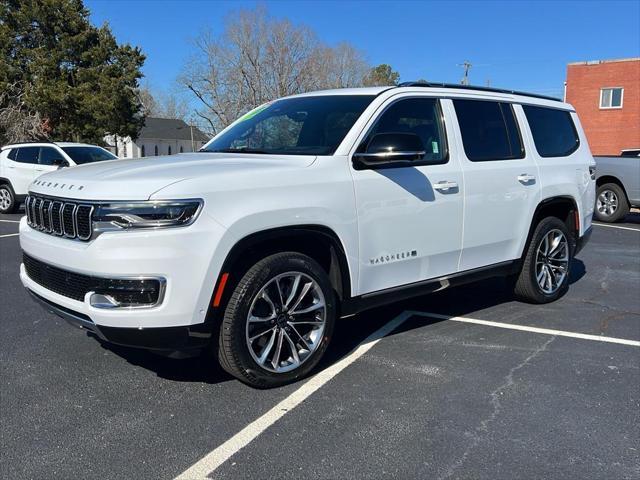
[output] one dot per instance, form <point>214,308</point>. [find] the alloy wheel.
<point>286,322</point>
<point>5,199</point>
<point>607,203</point>
<point>552,261</point>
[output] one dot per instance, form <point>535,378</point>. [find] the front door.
<point>409,217</point>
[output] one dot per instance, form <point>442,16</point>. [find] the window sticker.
<point>254,112</point>
<point>434,147</point>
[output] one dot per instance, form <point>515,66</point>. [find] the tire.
<point>533,285</point>
<point>611,203</point>
<point>310,299</point>
<point>8,202</point>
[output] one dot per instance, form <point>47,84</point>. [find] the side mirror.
<point>390,150</point>
<point>60,162</point>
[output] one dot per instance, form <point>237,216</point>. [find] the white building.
<point>159,136</point>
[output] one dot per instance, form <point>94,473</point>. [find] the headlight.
<point>149,214</point>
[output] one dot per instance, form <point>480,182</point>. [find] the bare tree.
<point>258,59</point>
<point>19,123</point>
<point>162,105</point>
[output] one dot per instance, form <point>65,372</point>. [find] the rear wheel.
<point>278,321</point>
<point>545,271</point>
<point>8,202</point>
<point>611,203</point>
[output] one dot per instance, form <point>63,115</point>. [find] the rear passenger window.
<point>28,154</point>
<point>553,131</point>
<point>420,116</point>
<point>489,130</point>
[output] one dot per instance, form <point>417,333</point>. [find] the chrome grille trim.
<point>48,214</point>
<point>70,216</point>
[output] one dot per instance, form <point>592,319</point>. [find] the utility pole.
<point>467,66</point>
<point>193,148</point>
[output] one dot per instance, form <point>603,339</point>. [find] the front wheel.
<point>8,202</point>
<point>278,321</point>
<point>545,270</point>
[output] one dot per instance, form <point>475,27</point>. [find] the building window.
<point>181,149</point>
<point>142,151</point>
<point>611,97</point>
<point>155,150</point>
<point>169,150</point>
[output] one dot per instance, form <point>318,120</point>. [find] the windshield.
<point>293,126</point>
<point>82,155</point>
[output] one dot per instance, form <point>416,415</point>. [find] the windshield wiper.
<point>239,150</point>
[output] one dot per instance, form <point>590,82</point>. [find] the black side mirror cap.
<point>390,150</point>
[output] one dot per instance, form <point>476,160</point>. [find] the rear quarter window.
<point>554,133</point>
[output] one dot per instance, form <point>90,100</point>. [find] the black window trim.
<point>523,150</point>
<point>375,117</point>
<point>573,126</point>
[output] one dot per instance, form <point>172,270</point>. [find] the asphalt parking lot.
<point>542,392</point>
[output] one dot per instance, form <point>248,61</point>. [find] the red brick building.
<point>606,95</point>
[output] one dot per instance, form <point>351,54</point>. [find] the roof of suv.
<point>433,85</point>
<point>45,143</point>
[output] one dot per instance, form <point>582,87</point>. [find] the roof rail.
<point>27,142</point>
<point>473,87</point>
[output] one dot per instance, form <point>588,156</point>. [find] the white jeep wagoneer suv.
<point>308,209</point>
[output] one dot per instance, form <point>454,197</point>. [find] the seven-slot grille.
<point>59,217</point>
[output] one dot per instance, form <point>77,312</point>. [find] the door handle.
<point>445,186</point>
<point>526,178</point>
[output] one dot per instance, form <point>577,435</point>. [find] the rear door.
<point>409,217</point>
<point>21,166</point>
<point>501,182</point>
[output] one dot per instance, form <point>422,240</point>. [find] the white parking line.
<point>525,328</point>
<point>616,226</point>
<point>205,466</point>
<point>10,221</point>
<point>10,235</point>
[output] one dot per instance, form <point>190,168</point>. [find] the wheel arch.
<point>5,181</point>
<point>611,179</point>
<point>317,241</point>
<point>563,207</point>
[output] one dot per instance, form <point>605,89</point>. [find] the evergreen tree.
<point>68,73</point>
<point>381,76</point>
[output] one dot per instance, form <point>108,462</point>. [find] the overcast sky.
<point>519,44</point>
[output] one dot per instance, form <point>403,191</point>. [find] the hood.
<point>138,179</point>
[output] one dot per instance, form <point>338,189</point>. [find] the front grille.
<point>73,285</point>
<point>69,219</point>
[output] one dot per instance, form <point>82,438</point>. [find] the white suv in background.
<point>308,209</point>
<point>21,163</point>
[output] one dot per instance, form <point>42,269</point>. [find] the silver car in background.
<point>618,185</point>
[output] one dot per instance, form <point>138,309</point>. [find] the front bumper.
<point>181,256</point>
<point>171,341</point>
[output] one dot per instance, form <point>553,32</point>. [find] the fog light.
<point>128,293</point>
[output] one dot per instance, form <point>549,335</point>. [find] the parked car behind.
<point>618,185</point>
<point>22,163</point>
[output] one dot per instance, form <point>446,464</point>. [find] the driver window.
<point>420,116</point>
<point>48,156</point>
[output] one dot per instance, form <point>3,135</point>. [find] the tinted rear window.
<point>489,130</point>
<point>554,133</point>
<point>27,154</point>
